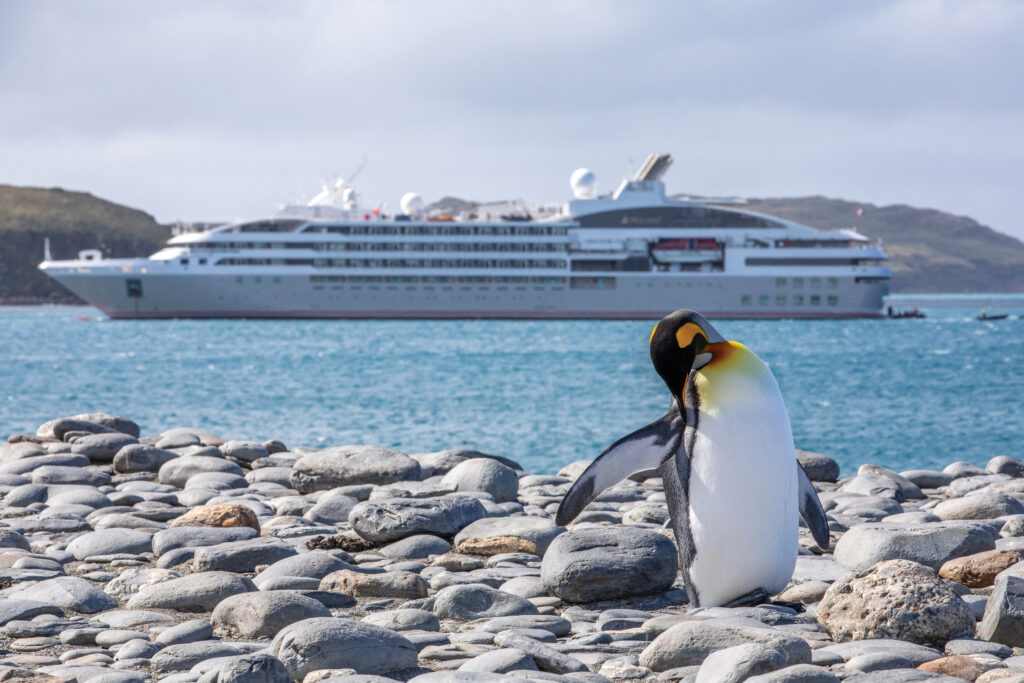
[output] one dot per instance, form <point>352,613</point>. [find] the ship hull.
<point>136,295</point>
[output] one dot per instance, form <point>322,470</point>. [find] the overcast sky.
<point>221,110</point>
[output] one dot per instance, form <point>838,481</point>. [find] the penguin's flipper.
<point>811,510</point>
<point>644,449</point>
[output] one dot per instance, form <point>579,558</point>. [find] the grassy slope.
<point>931,251</point>
<point>73,221</point>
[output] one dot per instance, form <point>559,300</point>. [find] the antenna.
<point>362,165</point>
<point>46,249</point>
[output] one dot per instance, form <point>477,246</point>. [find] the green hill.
<point>931,251</point>
<point>73,221</point>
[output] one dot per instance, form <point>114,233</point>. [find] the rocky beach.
<point>183,556</point>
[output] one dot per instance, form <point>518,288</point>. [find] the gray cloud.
<point>197,110</point>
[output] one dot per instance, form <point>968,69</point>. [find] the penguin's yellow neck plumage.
<point>732,367</point>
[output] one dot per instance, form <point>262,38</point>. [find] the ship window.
<point>816,282</point>
<point>815,300</point>
<point>277,280</point>
<point>184,261</point>
<point>257,279</point>
<point>763,300</point>
<point>798,282</point>
<point>239,280</point>
<point>780,300</point>
<point>833,301</point>
<point>798,299</point>
<point>202,262</point>
<point>746,300</point>
<point>833,283</point>
<point>780,282</point>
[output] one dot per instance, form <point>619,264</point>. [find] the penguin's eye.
<point>686,334</point>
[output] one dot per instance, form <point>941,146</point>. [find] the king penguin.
<point>726,456</point>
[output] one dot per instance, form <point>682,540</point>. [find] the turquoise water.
<point>902,393</point>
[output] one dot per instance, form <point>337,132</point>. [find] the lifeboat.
<point>699,250</point>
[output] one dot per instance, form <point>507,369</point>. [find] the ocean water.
<point>900,393</point>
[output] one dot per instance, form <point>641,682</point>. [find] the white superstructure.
<point>635,253</point>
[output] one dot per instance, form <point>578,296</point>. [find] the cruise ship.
<point>633,253</point>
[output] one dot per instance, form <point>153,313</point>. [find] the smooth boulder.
<point>583,565</point>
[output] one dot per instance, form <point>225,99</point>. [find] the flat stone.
<point>1004,464</point>
<point>246,451</point>
<point>929,544</point>
<point>332,643</point>
<point>917,654</point>
<point>396,584</point>
<point>818,467</point>
<point>556,625</point>
<point>691,642</point>
<point>111,542</point>
<point>421,546</point>
<point>192,593</point>
<point>241,556</point>
<point>348,465</point>
<point>407,619</point>
<point>391,519</point>
<point>928,479</point>
<point>979,570</point>
<point>584,565</point>
<point>315,564</point>
<point>799,673</point>
<point>186,632</point>
<point>102,447</point>
<point>258,667</point>
<point>12,609</point>
<point>491,536</point>
<point>55,474</point>
<point>12,539</point>
<point>739,662</point>
<point>979,506</point>
<point>133,579</point>
<point>477,601</point>
<point>504,660</point>
<point>263,613</point>
<point>895,599</point>
<point>139,457</point>
<point>1003,621</point>
<point>184,656</point>
<point>166,540</point>
<point>484,474</point>
<point>332,509</point>
<point>69,592</point>
<point>178,471</point>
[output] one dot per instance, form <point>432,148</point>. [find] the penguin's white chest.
<point>742,487</point>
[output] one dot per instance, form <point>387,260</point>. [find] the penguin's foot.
<point>797,607</point>
<point>757,596</point>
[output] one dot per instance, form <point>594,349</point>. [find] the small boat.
<point>998,316</point>
<point>899,315</point>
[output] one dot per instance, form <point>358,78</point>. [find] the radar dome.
<point>411,203</point>
<point>349,198</point>
<point>584,183</point>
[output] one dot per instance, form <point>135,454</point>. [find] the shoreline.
<point>181,556</point>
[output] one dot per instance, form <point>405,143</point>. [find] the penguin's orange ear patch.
<point>686,334</point>
<point>654,331</point>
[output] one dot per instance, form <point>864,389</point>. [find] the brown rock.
<point>895,599</point>
<point>957,666</point>
<point>348,543</point>
<point>382,585</point>
<point>19,675</point>
<point>496,545</point>
<point>979,570</point>
<point>225,515</point>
